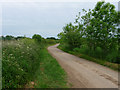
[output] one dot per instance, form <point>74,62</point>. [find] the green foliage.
<point>8,37</point>
<point>51,38</point>
<point>87,57</point>
<point>20,60</point>
<point>99,52</point>
<point>103,25</point>
<point>83,50</point>
<point>51,41</point>
<point>97,30</point>
<point>71,35</point>
<point>20,37</point>
<point>49,74</point>
<point>112,56</point>
<point>37,38</point>
<point>76,49</point>
<point>21,64</point>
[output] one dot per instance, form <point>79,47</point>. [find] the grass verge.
<point>49,74</point>
<point>113,66</point>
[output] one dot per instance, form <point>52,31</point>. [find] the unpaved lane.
<point>83,73</point>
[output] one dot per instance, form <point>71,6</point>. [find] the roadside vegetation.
<point>94,35</point>
<point>49,74</point>
<point>26,60</point>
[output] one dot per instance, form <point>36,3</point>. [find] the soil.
<point>83,73</point>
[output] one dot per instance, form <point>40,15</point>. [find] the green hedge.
<point>20,60</point>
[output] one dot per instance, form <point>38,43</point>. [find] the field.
<point>26,61</point>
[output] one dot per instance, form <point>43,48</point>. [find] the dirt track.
<point>83,73</point>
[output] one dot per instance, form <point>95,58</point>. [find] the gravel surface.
<point>83,73</point>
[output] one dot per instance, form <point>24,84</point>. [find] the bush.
<point>111,57</point>
<point>76,49</point>
<point>83,49</point>
<point>37,38</point>
<point>50,41</point>
<point>20,60</point>
<point>98,52</point>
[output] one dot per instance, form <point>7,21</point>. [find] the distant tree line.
<point>52,38</point>
<point>35,36</point>
<point>10,37</point>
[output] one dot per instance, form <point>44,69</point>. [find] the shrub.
<point>20,60</point>
<point>111,57</point>
<point>37,38</point>
<point>76,49</point>
<point>98,52</point>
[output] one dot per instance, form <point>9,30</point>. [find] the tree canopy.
<point>98,30</point>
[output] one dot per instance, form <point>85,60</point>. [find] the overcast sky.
<point>44,18</point>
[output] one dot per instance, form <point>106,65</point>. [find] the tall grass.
<point>0,64</point>
<point>20,60</point>
<point>49,74</point>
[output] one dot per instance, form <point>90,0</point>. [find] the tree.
<point>100,26</point>
<point>9,37</point>
<point>20,37</point>
<point>51,38</point>
<point>98,29</point>
<point>104,24</point>
<point>71,35</point>
<point>37,38</point>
